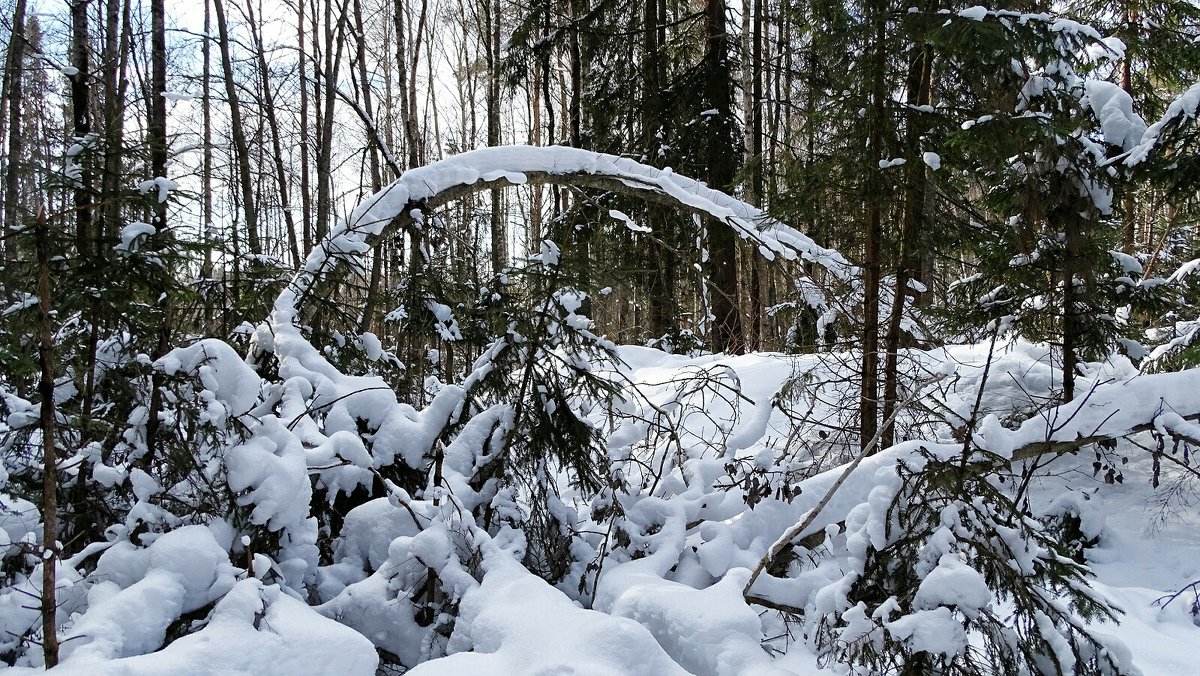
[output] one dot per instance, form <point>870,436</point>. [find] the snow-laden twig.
<point>811,515</point>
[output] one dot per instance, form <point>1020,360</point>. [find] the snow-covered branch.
<point>421,189</point>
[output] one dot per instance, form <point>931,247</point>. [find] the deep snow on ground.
<point>677,610</point>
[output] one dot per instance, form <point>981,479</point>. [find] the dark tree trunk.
<point>13,79</point>
<point>81,124</point>
<point>333,45</point>
<point>721,166</point>
<point>914,214</point>
<point>306,222</point>
<point>206,270</point>
<point>869,397</point>
<point>157,140</point>
<point>46,359</point>
<point>496,226</point>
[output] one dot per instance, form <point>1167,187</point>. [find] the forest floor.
<point>675,606</point>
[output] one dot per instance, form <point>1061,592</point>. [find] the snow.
<point>515,623</point>
<point>1183,108</point>
<point>676,606</point>
<point>975,13</point>
<point>160,185</point>
<point>953,583</point>
<point>421,187</point>
<point>253,629</point>
<point>934,631</point>
<point>661,557</point>
<point>131,232</point>
<point>629,222</point>
<point>933,160</point>
<point>1113,108</point>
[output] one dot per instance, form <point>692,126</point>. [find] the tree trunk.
<point>721,166</point>
<point>240,146</point>
<point>1128,206</point>
<point>13,74</point>
<point>868,399</point>
<point>268,111</point>
<point>156,129</point>
<point>414,128</point>
<point>116,82</point>
<point>332,48</point>
<point>306,221</point>
<point>497,226</point>
<point>206,206</point>
<point>372,149</point>
<point>46,360</point>
<point>914,214</point>
<point>157,137</point>
<point>662,315</point>
<point>402,77</point>
<point>752,77</point>
<point>535,138</point>
<point>81,124</point>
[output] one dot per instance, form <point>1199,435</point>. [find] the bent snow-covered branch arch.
<point>419,190</point>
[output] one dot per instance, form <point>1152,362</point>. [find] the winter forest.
<point>600,337</point>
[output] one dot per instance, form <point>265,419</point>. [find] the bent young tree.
<point>420,190</point>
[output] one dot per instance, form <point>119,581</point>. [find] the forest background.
<point>1023,174</point>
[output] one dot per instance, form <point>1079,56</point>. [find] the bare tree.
<point>334,33</point>
<point>240,146</point>
<point>269,113</point>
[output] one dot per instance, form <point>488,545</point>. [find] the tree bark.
<point>156,130</point>
<point>81,124</point>
<point>496,224</point>
<point>269,112</point>
<point>240,146</point>
<point>157,137</point>
<point>333,45</point>
<point>914,215</point>
<point>662,313</point>
<point>46,359</point>
<point>360,57</point>
<point>14,76</point>
<point>306,222</point>
<point>721,164</point>
<point>206,205</point>
<point>869,397</point>
<point>116,82</point>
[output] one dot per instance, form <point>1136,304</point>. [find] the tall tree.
<point>721,160</point>
<point>81,116</point>
<point>270,114</point>
<point>13,96</point>
<point>332,47</point>
<point>237,130</point>
<point>497,229</point>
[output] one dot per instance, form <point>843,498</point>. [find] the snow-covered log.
<point>1163,402</point>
